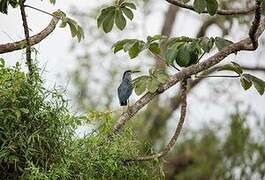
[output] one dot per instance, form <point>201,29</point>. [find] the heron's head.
<point>128,73</point>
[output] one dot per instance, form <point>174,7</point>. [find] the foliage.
<point>151,82</point>
<point>35,124</point>
<point>210,5</point>
<point>237,154</point>
<point>76,30</point>
<point>37,136</point>
<point>117,14</point>
<point>246,79</point>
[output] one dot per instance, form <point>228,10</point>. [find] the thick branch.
<point>26,32</point>
<point>178,128</point>
<point>255,25</point>
<point>187,72</point>
<point>9,47</point>
<point>220,11</point>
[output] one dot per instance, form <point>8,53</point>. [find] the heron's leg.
<point>128,105</point>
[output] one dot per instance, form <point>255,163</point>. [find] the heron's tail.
<point>123,103</point>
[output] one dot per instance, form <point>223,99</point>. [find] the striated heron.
<point>126,87</point>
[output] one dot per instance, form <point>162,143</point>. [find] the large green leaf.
<point>120,20</point>
<point>119,45</point>
<point>171,52</point>
<point>152,85</point>
<point>108,21</point>
<point>206,44</point>
<point>128,13</point>
<point>231,67</point>
<point>134,50</point>
<point>3,6</point>
<point>183,56</point>
<point>245,82</point>
<point>212,6</point>
<point>154,48</point>
<point>259,84</point>
<point>222,43</point>
<point>129,44</point>
<point>199,5</point>
<point>103,14</point>
<point>130,5</point>
<point>140,85</point>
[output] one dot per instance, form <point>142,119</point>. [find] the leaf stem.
<point>40,10</point>
<point>158,57</point>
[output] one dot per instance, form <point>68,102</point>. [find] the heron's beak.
<point>135,71</point>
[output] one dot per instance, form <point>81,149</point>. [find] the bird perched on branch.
<point>126,87</point>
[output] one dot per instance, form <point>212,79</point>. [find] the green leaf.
<point>14,3</point>
<point>63,24</point>
<point>128,13</point>
<point>120,20</point>
<point>103,14</point>
<point>259,84</point>
<point>2,62</point>
<point>108,21</point>
<point>221,43</point>
<point>199,5</point>
<point>130,5</point>
<point>206,44</point>
<point>3,6</point>
<point>245,82</point>
<point>212,7</point>
<point>52,1</point>
<point>183,56</point>
<point>152,85</point>
<point>231,67</point>
<point>129,44</point>
<point>119,45</point>
<point>154,48</point>
<point>80,33</point>
<point>24,110</point>
<point>140,85</point>
<point>171,52</point>
<point>73,27</point>
<point>134,50</point>
<point>151,39</point>
<point>163,78</point>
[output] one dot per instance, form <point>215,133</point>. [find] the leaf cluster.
<point>117,14</point>
<point>76,30</point>
<point>246,79</point>
<point>151,82</point>
<point>210,5</point>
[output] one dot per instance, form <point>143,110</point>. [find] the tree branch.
<point>26,32</point>
<point>219,12</point>
<point>255,25</point>
<point>9,47</point>
<point>187,72</point>
<point>174,138</point>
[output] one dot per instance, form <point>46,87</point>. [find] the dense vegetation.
<point>37,136</point>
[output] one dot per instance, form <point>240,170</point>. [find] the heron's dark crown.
<point>127,71</point>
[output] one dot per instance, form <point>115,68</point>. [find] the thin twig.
<point>176,134</point>
<point>219,12</point>
<point>218,76</point>
<point>255,24</point>
<point>26,32</point>
<point>158,57</point>
<point>40,10</point>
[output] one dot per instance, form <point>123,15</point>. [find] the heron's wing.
<point>124,92</point>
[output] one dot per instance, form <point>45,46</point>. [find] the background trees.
<point>97,156</point>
